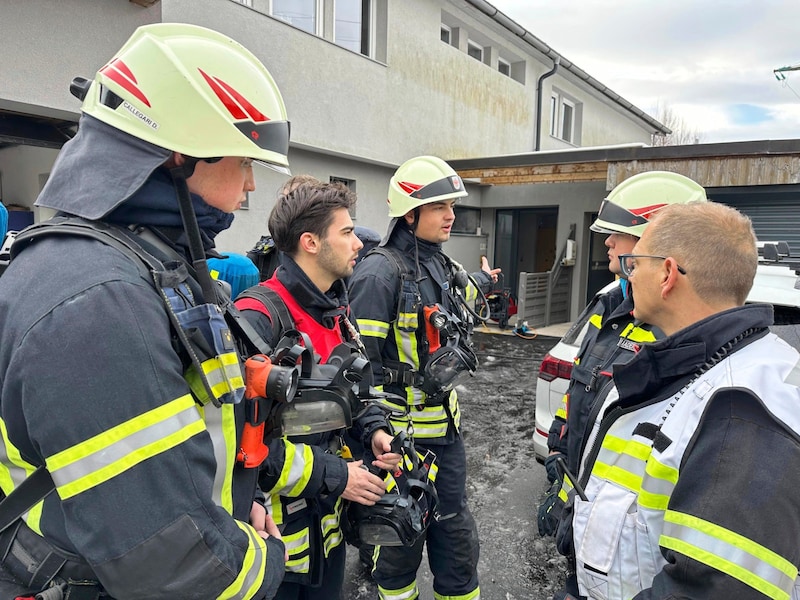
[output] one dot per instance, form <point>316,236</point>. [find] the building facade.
<point>367,84</point>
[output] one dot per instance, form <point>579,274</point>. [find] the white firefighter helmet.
<point>422,180</point>
<point>631,204</point>
<point>192,90</point>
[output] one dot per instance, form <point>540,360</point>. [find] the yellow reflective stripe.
<point>433,471</point>
<point>471,293</point>
<point>408,320</point>
<point>622,462</point>
<point>254,565</point>
<point>637,334</point>
<point>596,320</point>
<point>372,328</point>
<point>423,430</point>
<point>729,552</point>
<point>116,450</point>
<point>561,414</point>
<point>657,485</point>
<point>410,592</point>
<point>473,595</point>
<point>221,426</point>
<point>297,544</point>
<point>195,381</point>
<point>300,470</point>
<point>406,342</point>
<point>223,373</point>
<point>9,454</point>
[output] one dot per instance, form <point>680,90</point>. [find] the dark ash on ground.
<point>504,484</point>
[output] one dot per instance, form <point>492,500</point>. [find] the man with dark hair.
<point>687,483</point>
<point>396,292</point>
<point>307,477</point>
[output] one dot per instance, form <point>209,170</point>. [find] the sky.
<point>710,62</point>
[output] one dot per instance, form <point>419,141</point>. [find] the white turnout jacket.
<point>690,473</point>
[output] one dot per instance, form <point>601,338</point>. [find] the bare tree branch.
<point>681,133</point>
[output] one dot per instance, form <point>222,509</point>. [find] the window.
<point>300,13</point>
<point>554,115</point>
<point>475,50</point>
<point>468,220</point>
<point>565,118</point>
<point>351,27</point>
<point>351,185</point>
<point>446,34</point>
<point>504,67</point>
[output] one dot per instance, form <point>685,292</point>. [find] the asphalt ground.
<point>504,481</point>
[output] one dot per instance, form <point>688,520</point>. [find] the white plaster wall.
<point>21,168</point>
<point>46,43</point>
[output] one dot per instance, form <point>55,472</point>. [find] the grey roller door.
<point>775,217</point>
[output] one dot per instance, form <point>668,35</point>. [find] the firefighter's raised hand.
<point>382,449</point>
<point>362,486</point>
<point>485,267</point>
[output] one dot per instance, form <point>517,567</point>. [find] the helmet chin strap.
<point>413,227</point>
<point>197,253</point>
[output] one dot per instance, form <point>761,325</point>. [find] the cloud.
<point>711,62</point>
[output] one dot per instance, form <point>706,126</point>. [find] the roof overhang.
<point>730,164</point>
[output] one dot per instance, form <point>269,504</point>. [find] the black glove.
<point>549,513</point>
<point>551,467</point>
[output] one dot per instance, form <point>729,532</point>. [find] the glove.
<point>549,513</point>
<point>551,466</point>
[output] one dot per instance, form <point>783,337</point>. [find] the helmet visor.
<point>440,187</point>
<point>272,136</point>
<point>614,214</point>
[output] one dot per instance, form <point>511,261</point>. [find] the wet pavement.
<point>504,482</point>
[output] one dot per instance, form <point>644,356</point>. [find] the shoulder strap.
<point>108,234</point>
<point>278,311</point>
<point>401,268</point>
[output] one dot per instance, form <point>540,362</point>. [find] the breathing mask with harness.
<point>404,512</point>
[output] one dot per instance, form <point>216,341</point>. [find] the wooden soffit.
<point>521,175</point>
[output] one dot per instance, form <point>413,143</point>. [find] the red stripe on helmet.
<point>647,211</point>
<point>237,105</point>
<point>118,72</point>
<point>409,187</point>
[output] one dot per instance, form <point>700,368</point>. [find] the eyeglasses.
<point>627,263</point>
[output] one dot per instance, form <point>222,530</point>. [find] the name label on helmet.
<point>140,115</point>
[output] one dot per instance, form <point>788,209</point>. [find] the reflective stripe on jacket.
<point>303,477</point>
<point>391,333</point>
<point>647,510</point>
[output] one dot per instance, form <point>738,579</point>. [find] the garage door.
<point>776,217</point>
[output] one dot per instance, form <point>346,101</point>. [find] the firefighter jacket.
<point>612,337</point>
<point>690,474</point>
<point>304,476</point>
<point>395,335</point>
<point>92,386</point>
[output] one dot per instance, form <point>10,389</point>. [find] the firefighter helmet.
<point>191,90</point>
<point>632,203</point>
<point>422,180</point>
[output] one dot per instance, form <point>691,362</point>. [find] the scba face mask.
<point>451,359</point>
<point>405,511</point>
<point>448,367</point>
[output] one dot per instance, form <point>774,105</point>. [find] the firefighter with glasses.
<point>695,449</point>
<point>613,335</point>
<point>411,302</point>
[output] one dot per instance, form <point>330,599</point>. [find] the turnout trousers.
<point>453,546</point>
<point>332,581</point>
